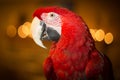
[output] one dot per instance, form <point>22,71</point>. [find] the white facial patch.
<point>36,31</point>
<point>52,20</point>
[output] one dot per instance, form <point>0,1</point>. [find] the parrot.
<point>72,55</point>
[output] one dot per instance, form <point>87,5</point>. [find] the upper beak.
<point>37,30</point>
<point>40,31</point>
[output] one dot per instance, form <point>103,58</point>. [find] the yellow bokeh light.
<point>25,30</point>
<point>99,35</point>
<point>27,24</point>
<point>108,38</point>
<point>11,31</point>
<point>20,32</point>
<point>93,31</point>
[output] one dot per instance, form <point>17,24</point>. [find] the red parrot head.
<point>50,23</point>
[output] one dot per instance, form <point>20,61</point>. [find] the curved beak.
<point>36,30</point>
<point>40,31</point>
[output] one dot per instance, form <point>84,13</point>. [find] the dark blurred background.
<point>21,58</point>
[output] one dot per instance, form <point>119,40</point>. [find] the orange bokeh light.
<point>99,35</point>
<point>108,38</point>
<point>11,31</point>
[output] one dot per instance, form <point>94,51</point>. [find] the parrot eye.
<point>51,15</point>
<point>51,18</point>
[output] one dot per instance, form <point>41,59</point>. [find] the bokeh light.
<point>28,26</point>
<point>93,31</point>
<point>99,35</point>
<point>20,32</point>
<point>11,31</point>
<point>108,38</point>
<point>24,30</point>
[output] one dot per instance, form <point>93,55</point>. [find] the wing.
<point>99,68</point>
<point>95,65</point>
<point>48,69</point>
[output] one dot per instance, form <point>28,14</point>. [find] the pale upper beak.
<point>40,31</point>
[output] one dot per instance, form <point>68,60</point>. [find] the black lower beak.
<point>48,33</point>
<point>53,34</point>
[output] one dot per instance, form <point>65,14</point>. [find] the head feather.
<point>55,9</point>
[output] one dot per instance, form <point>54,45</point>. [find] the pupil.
<point>51,15</point>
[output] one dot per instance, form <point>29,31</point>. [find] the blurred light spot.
<point>20,32</point>
<point>108,38</point>
<point>25,30</point>
<point>99,35</point>
<point>11,31</point>
<point>93,31</point>
<point>28,26</point>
